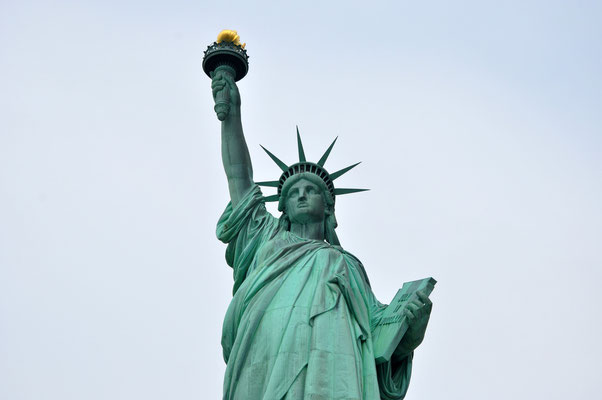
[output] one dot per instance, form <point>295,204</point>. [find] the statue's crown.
<point>304,166</point>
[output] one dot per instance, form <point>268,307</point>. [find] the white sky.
<point>478,124</point>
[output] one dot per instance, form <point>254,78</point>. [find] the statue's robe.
<point>300,322</point>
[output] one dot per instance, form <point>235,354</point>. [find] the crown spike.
<point>327,153</point>
<point>282,165</point>
<point>340,172</point>
<point>339,191</point>
<point>300,146</point>
<point>268,183</point>
<point>271,198</point>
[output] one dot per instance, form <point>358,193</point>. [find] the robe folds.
<point>300,322</point>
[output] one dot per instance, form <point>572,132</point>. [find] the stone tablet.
<point>393,324</point>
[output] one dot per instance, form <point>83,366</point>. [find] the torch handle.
<point>222,98</point>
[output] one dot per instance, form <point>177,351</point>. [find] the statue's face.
<point>305,202</point>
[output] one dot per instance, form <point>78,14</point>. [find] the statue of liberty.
<point>303,320</point>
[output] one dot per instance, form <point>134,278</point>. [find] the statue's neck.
<point>310,230</point>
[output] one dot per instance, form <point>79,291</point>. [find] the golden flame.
<point>228,35</point>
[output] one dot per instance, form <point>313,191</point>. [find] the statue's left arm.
<point>394,375</point>
<point>417,313</point>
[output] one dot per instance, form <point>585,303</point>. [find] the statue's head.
<point>305,198</point>
<point>306,191</point>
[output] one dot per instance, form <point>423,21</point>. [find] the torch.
<point>229,56</point>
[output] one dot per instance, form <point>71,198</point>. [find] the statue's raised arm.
<point>226,62</point>
<point>235,154</point>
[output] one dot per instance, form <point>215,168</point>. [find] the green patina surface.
<point>303,322</point>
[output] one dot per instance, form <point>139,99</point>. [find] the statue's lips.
<point>302,205</point>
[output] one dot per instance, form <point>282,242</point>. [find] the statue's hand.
<point>417,313</point>
<point>222,80</point>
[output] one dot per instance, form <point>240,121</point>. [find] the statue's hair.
<point>330,221</point>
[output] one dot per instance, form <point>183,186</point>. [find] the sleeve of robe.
<point>244,228</point>
<point>394,375</point>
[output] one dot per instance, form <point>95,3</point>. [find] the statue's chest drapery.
<point>286,248</point>
<point>292,301</point>
<point>289,272</point>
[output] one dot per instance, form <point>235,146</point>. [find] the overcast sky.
<point>479,126</point>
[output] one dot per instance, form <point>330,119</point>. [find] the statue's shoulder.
<point>346,254</point>
<point>354,261</point>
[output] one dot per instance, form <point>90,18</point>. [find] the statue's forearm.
<point>235,156</point>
